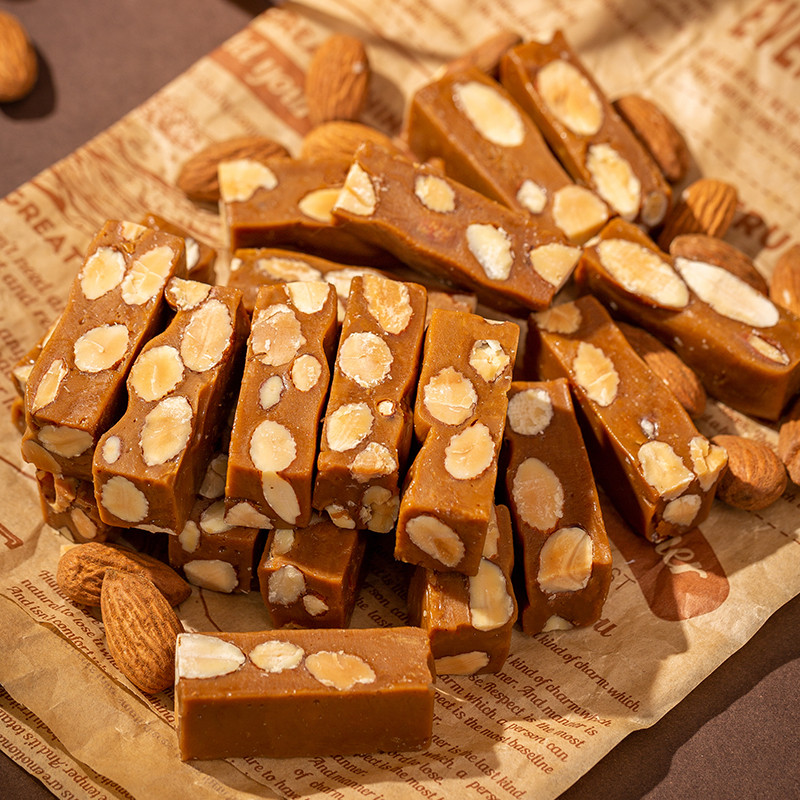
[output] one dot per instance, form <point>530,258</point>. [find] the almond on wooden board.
<point>198,176</point>
<point>81,570</point>
<point>706,206</point>
<point>679,377</point>
<point>19,67</point>
<point>141,630</point>
<point>657,133</point>
<point>784,285</point>
<point>337,80</point>
<point>711,250</point>
<point>755,477</point>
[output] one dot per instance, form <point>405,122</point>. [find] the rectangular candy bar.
<point>565,555</point>
<point>459,416</point>
<point>469,619</point>
<point>456,234</point>
<point>200,258</point>
<point>309,576</point>
<point>76,388</point>
<point>595,146</point>
<point>743,347</point>
<point>287,202</point>
<point>276,428</point>
<point>490,144</point>
<point>367,430</point>
<point>295,693</point>
<point>659,471</point>
<point>149,466</point>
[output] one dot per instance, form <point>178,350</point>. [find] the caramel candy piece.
<point>288,202</point>
<point>743,347</point>
<point>490,144</point>
<point>659,471</point>
<point>449,301</point>
<point>309,576</point>
<point>149,466</point>
<point>593,143</point>
<point>289,693</point>
<point>367,431</point>
<point>69,506</point>
<point>469,619</point>
<point>459,416</point>
<point>274,440</point>
<point>76,388</point>
<point>453,233</point>
<point>200,258</point>
<point>213,554</point>
<point>566,558</point>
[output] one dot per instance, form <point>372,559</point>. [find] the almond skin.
<point>141,630</point>
<point>82,568</point>
<point>784,287</point>
<point>706,206</point>
<point>341,139</point>
<point>19,67</point>
<point>679,377</point>
<point>198,176</point>
<point>337,80</point>
<point>755,477</point>
<point>656,132</point>
<point>789,442</point>
<point>699,247</point>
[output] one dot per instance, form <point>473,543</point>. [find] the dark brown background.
<point>736,736</point>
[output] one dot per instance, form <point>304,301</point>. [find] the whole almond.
<point>789,442</point>
<point>486,55</point>
<point>141,630</point>
<point>755,477</point>
<point>341,139</point>
<point>710,250</point>
<point>784,285</point>
<point>657,133</point>
<point>337,80</point>
<point>198,176</point>
<point>19,67</point>
<point>679,377</point>
<point>706,206</point>
<point>81,570</point>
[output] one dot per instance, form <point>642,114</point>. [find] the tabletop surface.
<point>735,736</point>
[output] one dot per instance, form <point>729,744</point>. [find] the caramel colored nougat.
<point>565,557</point>
<point>200,258</point>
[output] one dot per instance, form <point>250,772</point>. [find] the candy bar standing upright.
<point>489,143</point>
<point>565,555</point>
<point>276,427</point>
<point>367,430</point>
<point>149,466</point>
<point>595,146</point>
<point>459,417</point>
<point>743,347</point>
<point>659,471</point>
<point>454,233</point>
<point>76,388</point>
<point>469,619</point>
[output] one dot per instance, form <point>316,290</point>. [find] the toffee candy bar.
<point>565,555</point>
<point>149,466</point>
<point>290,693</point>
<point>288,202</point>
<point>367,430</point>
<point>76,388</point>
<point>275,430</point>
<point>593,143</point>
<point>490,144</point>
<point>743,347</point>
<point>200,258</point>
<point>213,554</point>
<point>309,576</point>
<point>452,232</point>
<point>459,416</point>
<point>469,619</point>
<point>659,471</point>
